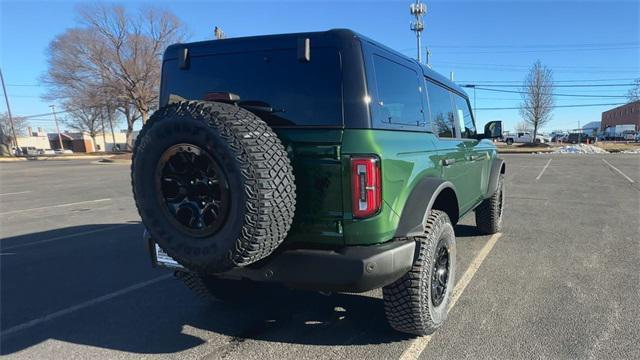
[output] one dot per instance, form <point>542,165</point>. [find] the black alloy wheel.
<point>192,189</point>
<point>440,274</point>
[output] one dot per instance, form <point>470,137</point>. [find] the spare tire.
<point>213,185</point>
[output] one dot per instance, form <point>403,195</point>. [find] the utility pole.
<point>6,98</point>
<point>53,110</point>
<point>418,9</point>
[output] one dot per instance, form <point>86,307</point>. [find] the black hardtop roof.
<point>340,38</point>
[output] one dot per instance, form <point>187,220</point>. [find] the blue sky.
<point>480,41</point>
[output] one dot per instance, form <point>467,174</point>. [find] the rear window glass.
<point>399,100</point>
<point>300,93</point>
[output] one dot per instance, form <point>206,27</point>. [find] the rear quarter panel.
<point>406,157</point>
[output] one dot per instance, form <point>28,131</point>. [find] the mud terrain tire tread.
<point>490,212</point>
<point>265,173</point>
<point>407,301</point>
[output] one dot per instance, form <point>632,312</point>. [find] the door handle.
<point>447,162</point>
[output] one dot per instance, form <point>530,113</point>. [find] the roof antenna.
<point>218,33</point>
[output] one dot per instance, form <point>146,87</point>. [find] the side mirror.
<point>493,129</point>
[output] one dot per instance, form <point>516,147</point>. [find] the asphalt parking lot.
<point>561,281</point>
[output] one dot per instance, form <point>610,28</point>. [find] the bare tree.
<point>634,93</point>
<point>131,115</point>
<point>115,57</point>
<point>522,126</point>
<point>537,97</point>
<point>133,47</point>
<point>85,119</point>
<point>5,143</point>
<point>20,125</point>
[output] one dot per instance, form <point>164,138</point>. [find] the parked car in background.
<point>63,151</point>
<point>46,152</point>
<point>576,138</point>
<point>629,135</point>
<point>523,137</point>
<point>28,151</point>
<point>544,138</point>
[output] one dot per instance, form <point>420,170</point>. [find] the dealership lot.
<point>561,281</point>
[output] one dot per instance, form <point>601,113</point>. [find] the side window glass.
<point>399,99</point>
<point>464,114</point>
<point>442,115</point>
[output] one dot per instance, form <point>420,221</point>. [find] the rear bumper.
<point>351,269</point>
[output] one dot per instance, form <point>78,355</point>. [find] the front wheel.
<point>509,141</point>
<point>489,212</point>
<point>417,303</point>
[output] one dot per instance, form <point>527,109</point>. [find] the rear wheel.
<point>417,303</point>
<point>509,141</point>
<point>211,288</point>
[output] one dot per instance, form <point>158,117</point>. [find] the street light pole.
<point>53,110</point>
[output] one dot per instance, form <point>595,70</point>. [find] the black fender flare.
<point>497,167</point>
<point>419,203</point>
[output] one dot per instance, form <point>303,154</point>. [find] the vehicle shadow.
<point>464,231</point>
<point>160,317</point>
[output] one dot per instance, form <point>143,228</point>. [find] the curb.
<point>533,151</point>
<point>54,158</point>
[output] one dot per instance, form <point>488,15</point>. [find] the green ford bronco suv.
<point>323,161</point>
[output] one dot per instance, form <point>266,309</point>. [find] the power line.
<point>517,98</point>
<point>526,67</point>
<point>569,86</point>
<point>557,81</point>
<point>538,45</point>
<point>24,85</point>
<point>541,50</point>
<point>46,114</point>
<point>522,92</point>
<point>560,71</point>
<point>554,107</point>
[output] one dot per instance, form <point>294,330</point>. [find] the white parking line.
<point>62,237</point>
<point>81,306</point>
<point>418,345</point>
<point>54,206</point>
<point>16,193</point>
<point>543,169</point>
<point>618,170</point>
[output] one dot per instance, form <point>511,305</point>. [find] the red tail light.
<point>366,186</point>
